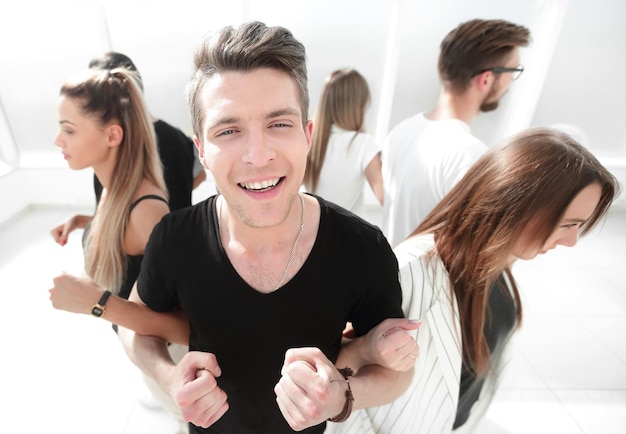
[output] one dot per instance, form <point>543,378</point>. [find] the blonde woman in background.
<point>342,155</point>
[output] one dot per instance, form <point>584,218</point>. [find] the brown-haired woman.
<point>539,190</point>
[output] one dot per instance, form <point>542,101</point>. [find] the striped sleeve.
<point>429,404</point>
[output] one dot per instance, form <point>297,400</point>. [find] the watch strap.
<point>98,309</point>
<point>104,298</point>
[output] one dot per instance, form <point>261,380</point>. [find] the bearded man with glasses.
<point>425,155</point>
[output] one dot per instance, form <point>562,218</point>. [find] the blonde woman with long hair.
<point>342,155</point>
<point>104,125</point>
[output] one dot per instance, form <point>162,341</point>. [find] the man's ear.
<point>200,149</point>
<point>308,131</point>
<point>484,81</point>
<point>115,134</point>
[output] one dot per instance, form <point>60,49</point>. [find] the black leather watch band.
<point>98,309</point>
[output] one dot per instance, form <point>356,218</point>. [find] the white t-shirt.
<point>342,178</point>
<point>422,160</point>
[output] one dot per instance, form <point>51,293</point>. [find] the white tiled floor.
<point>68,374</point>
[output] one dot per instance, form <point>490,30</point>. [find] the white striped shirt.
<point>430,403</point>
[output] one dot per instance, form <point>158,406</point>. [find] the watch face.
<point>97,311</point>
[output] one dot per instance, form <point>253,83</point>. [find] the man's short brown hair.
<point>476,45</point>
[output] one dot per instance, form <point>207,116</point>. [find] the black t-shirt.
<point>176,152</point>
<point>497,331</point>
<point>351,274</point>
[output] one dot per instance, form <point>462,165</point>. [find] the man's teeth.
<point>260,185</point>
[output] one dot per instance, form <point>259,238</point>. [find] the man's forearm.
<point>355,354</point>
<point>374,385</point>
<point>149,354</point>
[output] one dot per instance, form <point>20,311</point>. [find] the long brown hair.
<point>343,102</point>
<point>115,96</point>
<point>528,182</point>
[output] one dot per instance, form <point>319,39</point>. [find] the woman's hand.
<point>390,344</point>
<point>74,294</point>
<point>61,232</point>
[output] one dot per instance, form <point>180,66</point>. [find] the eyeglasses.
<point>515,72</point>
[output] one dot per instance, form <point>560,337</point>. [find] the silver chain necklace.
<point>292,254</point>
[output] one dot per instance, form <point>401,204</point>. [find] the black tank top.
<point>133,261</point>
<point>497,331</point>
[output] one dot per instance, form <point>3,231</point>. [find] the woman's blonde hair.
<point>114,96</point>
<point>343,102</point>
<point>524,185</point>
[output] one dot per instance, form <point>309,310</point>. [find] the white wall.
<point>574,67</point>
<point>21,188</point>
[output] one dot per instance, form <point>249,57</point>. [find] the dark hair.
<point>526,183</point>
<point>475,45</point>
<point>112,60</point>
<point>252,45</point>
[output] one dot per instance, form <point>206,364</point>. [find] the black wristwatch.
<point>98,309</point>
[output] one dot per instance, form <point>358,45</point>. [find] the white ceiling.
<point>575,67</point>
